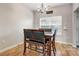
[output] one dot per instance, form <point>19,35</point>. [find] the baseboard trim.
<point>10,47</point>
<point>74,46</point>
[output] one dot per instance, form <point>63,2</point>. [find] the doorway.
<point>77,27</point>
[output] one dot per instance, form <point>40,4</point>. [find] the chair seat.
<point>40,41</point>
<point>37,41</point>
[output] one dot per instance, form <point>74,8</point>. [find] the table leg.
<point>24,47</point>
<point>49,48</point>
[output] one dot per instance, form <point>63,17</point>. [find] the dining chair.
<point>53,42</point>
<point>39,39</point>
<point>36,37</point>
<point>27,37</point>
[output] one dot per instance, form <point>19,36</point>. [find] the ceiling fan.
<point>44,10</point>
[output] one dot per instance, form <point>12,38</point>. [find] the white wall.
<point>66,12</point>
<point>13,19</point>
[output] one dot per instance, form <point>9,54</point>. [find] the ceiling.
<point>35,6</point>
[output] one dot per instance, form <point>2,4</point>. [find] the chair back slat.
<point>27,33</point>
<point>39,36</point>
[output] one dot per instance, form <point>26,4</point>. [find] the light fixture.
<point>44,9</point>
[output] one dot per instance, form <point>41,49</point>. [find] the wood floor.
<point>62,50</point>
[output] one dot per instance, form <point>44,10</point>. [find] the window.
<point>52,23</point>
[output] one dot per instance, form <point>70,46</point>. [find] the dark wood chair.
<point>53,43</point>
<point>39,38</point>
<point>35,37</point>
<point>27,37</point>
